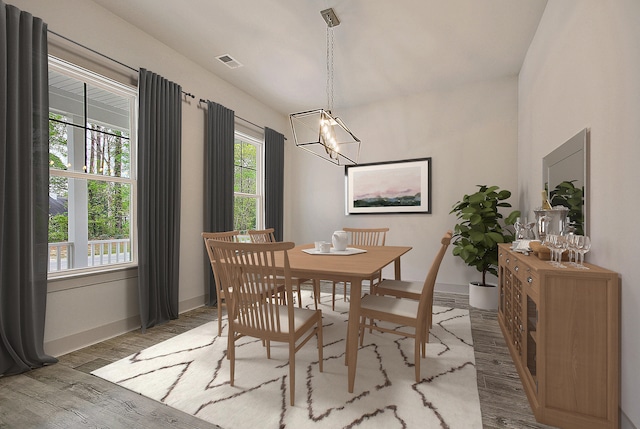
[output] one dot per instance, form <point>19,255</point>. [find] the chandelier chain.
<point>330,44</point>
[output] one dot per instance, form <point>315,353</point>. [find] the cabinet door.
<point>577,341</point>
<point>530,357</point>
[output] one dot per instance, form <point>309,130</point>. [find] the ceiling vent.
<point>229,61</point>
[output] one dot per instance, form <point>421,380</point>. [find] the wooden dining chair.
<point>407,288</point>
<point>410,313</point>
<point>221,292</point>
<point>362,237</point>
<point>267,236</point>
<point>250,270</point>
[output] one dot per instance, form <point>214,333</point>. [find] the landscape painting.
<point>389,187</point>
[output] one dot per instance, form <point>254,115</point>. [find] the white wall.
<point>583,70</point>
<point>469,132</point>
<point>85,310</point>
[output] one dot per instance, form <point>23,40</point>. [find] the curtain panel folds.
<point>274,181</point>
<point>218,177</point>
<point>159,158</point>
<point>24,190</point>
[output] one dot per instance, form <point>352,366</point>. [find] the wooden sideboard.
<point>562,327</point>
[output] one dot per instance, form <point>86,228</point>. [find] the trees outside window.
<point>248,190</point>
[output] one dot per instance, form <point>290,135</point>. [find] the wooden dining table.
<point>350,268</point>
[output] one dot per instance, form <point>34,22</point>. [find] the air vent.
<point>229,61</point>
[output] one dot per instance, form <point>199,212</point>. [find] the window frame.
<point>129,91</point>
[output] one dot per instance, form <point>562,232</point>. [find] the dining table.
<point>345,267</point>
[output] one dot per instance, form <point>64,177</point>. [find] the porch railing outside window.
<point>99,253</point>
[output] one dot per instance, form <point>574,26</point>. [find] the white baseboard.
<point>71,343</point>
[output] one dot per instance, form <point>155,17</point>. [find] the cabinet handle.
<point>516,268</point>
<point>529,280</point>
<point>508,259</point>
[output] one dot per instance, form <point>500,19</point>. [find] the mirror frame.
<point>575,150</point>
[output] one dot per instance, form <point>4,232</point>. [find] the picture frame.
<point>402,186</point>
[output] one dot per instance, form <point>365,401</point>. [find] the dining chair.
<point>221,292</point>
<point>362,237</point>
<point>250,271</point>
<point>407,288</point>
<point>267,236</point>
<point>410,313</point>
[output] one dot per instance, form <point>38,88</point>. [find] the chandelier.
<point>319,131</point>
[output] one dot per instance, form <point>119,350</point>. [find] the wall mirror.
<point>565,176</point>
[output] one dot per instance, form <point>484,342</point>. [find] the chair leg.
<point>292,372</point>
<point>417,346</point>
<point>320,343</point>
<point>231,355</point>
<point>219,299</point>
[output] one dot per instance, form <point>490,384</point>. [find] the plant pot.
<point>484,297</point>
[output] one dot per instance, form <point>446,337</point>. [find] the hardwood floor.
<point>66,395</point>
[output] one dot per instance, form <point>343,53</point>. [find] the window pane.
<point>66,95</point>
<point>245,167</point>
<point>106,217</point>
<point>244,213</point>
<point>99,143</point>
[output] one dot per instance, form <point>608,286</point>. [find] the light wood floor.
<point>65,395</point>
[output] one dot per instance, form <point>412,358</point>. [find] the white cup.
<point>325,247</point>
<point>318,244</point>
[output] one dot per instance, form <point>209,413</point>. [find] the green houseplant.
<point>568,195</point>
<point>480,229</point>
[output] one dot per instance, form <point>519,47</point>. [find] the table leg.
<point>397,267</point>
<point>352,332</point>
<point>316,292</point>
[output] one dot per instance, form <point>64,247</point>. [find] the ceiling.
<point>382,49</point>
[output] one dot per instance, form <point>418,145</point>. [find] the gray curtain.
<point>274,181</point>
<point>159,156</point>
<point>218,177</point>
<point>24,190</point>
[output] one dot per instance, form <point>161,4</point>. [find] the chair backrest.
<point>262,235</point>
<point>367,236</point>
<point>250,270</point>
<point>426,298</point>
<point>229,236</point>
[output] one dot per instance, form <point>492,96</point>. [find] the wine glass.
<point>572,240</point>
<point>518,228</point>
<point>550,241</point>
<point>561,247</point>
<point>584,245</point>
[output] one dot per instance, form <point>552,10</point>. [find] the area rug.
<point>190,372</point>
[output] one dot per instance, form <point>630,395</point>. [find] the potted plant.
<point>476,237</point>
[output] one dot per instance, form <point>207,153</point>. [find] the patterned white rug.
<point>190,372</point>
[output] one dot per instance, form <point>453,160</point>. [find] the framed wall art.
<point>389,187</point>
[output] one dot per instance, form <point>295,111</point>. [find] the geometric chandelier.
<point>319,131</point>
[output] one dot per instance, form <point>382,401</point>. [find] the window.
<point>247,184</point>
<point>92,170</point>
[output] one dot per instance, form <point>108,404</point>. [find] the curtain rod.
<point>202,100</point>
<point>105,56</point>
